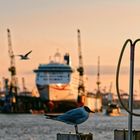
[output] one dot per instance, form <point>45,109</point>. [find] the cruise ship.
<point>57,81</point>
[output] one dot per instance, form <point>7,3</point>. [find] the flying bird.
<point>73,117</point>
<point>25,56</point>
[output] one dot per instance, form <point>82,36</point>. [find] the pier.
<point>22,104</point>
<point>74,136</point>
<point>122,134</point>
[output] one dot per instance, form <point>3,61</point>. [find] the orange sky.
<point>45,25</point>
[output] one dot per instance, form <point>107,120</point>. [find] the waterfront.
<point>36,127</point>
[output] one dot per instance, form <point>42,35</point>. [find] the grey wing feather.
<point>71,116</point>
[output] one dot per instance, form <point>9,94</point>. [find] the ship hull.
<point>57,93</point>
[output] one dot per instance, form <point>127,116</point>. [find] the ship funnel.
<point>67,58</point>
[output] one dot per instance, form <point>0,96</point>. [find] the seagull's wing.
<point>27,53</point>
<point>73,116</point>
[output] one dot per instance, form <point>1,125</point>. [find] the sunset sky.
<point>47,25</point>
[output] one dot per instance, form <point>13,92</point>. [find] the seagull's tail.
<point>48,116</point>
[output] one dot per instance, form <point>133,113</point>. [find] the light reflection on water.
<point>36,127</point>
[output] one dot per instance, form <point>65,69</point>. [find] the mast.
<point>98,77</point>
<point>23,85</point>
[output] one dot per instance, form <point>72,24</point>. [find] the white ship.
<point>56,81</point>
<point>58,84</point>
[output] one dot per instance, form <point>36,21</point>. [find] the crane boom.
<point>80,53</point>
<point>81,88</point>
<point>12,67</point>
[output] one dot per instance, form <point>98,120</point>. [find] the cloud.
<point>92,70</point>
<point>108,70</point>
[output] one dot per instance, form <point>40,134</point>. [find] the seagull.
<point>73,117</point>
<point>25,57</point>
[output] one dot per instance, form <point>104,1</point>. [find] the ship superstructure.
<point>56,81</point>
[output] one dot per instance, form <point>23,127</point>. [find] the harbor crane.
<point>81,88</point>
<point>12,68</point>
